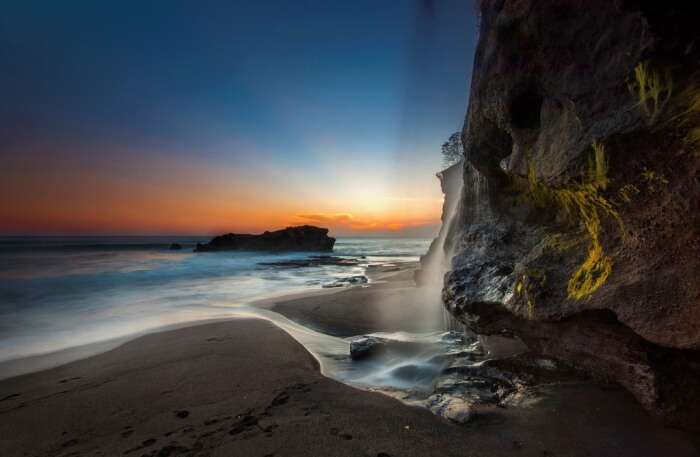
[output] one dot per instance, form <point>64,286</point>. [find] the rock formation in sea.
<point>300,238</point>
<point>578,227</point>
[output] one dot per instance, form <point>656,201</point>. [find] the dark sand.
<point>245,388</point>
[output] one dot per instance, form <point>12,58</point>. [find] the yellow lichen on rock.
<point>592,273</point>
<point>581,203</point>
<point>519,287</point>
<point>530,309</point>
<point>653,179</point>
<point>626,192</point>
<point>652,88</point>
<point>598,166</point>
<point>527,285</point>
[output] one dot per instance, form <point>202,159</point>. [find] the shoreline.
<point>39,362</point>
<point>246,387</point>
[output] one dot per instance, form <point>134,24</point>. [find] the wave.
<point>59,293</point>
<point>21,244</point>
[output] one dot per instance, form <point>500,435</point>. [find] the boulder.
<point>370,346</point>
<point>367,347</point>
<point>300,238</point>
<point>175,247</point>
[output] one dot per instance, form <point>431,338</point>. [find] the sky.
<point>170,117</point>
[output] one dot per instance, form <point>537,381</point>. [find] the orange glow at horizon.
<point>130,195</point>
<point>206,220</point>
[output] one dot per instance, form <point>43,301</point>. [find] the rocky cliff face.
<point>579,228</point>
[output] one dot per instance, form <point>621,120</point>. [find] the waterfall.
<point>466,201</point>
<point>437,262</point>
<point>439,256</point>
<point>477,207</point>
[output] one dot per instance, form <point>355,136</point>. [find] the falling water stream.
<point>438,261</point>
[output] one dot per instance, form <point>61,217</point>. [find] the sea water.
<point>63,299</point>
<point>57,293</point>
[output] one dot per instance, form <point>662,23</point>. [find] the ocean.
<point>62,292</point>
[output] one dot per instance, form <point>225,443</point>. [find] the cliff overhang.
<point>585,242</point>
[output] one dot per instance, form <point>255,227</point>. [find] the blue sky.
<point>318,105</point>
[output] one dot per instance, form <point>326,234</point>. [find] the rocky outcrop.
<point>579,228</point>
<point>347,281</point>
<point>301,238</point>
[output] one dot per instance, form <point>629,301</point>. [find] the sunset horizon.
<point>145,134</point>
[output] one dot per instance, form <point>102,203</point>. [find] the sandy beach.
<point>243,387</point>
<point>390,304</point>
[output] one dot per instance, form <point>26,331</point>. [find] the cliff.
<point>300,238</point>
<point>579,225</point>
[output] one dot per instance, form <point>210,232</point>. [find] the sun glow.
<point>80,195</point>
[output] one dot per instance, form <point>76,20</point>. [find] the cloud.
<point>414,199</point>
<point>377,225</point>
<point>346,224</point>
<point>324,217</point>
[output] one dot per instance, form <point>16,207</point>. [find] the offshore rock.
<point>300,238</point>
<point>550,78</point>
<point>348,281</point>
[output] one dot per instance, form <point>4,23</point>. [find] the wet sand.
<point>246,388</point>
<point>390,303</point>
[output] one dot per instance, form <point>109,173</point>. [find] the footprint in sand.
<point>169,450</point>
<point>143,445</point>
<point>244,423</point>
<point>69,443</point>
<point>336,432</point>
<point>9,396</point>
<point>280,399</point>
